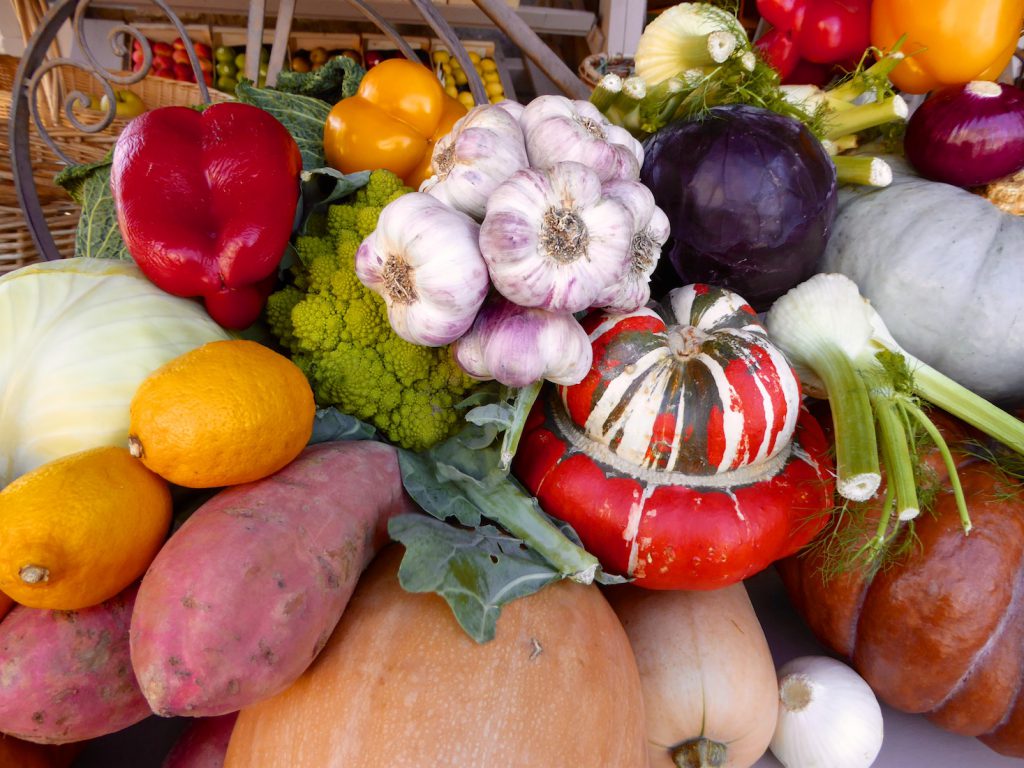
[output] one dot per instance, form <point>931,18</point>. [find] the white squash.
<point>708,679</point>
<point>945,270</point>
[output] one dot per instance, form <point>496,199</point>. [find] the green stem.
<point>525,398</point>
<point>660,105</point>
<point>899,464</point>
<point>859,118</point>
<point>861,82</point>
<point>701,752</point>
<point>857,473</point>
<point>863,170</point>
<point>705,50</point>
<point>947,459</point>
<point>953,398</point>
<point>606,92</point>
<point>625,107</point>
<point>518,513</point>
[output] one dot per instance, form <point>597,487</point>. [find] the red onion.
<point>968,135</point>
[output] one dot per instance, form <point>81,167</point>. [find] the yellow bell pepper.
<point>393,121</point>
<point>952,41</point>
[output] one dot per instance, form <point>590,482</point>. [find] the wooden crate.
<point>484,49</point>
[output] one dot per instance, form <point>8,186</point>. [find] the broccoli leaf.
<point>303,116</point>
<point>98,235</point>
<point>330,424</point>
<point>483,569</point>
<point>337,79</point>
<point>464,484</point>
<point>320,188</point>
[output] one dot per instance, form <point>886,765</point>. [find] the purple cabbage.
<point>750,195</point>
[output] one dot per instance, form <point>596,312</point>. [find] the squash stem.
<point>857,467</point>
<point>899,466</point>
<point>953,398</point>
<point>699,753</point>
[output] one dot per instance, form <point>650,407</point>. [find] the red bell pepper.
<point>206,201</point>
<point>817,31</point>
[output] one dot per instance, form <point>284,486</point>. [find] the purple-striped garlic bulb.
<point>423,259</point>
<point>650,231</point>
<point>517,345</point>
<point>558,129</point>
<point>553,240</point>
<point>483,149</point>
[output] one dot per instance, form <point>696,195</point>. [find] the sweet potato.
<point>244,595</point>
<point>66,675</point>
<point>203,744</point>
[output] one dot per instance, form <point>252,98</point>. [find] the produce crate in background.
<point>485,49</point>
<point>229,56</point>
<point>168,48</point>
<point>377,47</point>
<point>313,48</point>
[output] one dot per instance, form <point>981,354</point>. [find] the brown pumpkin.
<point>400,683</point>
<point>941,630</point>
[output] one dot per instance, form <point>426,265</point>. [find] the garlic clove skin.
<point>650,231</point>
<point>559,129</point>
<point>828,716</point>
<point>517,345</point>
<point>552,240</point>
<point>513,108</point>
<point>424,260</point>
<point>483,149</point>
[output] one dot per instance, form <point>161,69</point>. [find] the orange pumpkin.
<point>400,683</point>
<point>940,631</point>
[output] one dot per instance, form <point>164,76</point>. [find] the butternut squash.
<point>401,684</point>
<point>708,678</point>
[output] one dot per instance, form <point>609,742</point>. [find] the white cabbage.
<point>77,337</point>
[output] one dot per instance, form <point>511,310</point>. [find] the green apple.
<point>227,69</point>
<point>224,53</point>
<point>227,84</point>
<point>240,62</point>
<point>127,104</point>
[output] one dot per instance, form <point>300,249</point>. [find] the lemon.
<point>494,89</point>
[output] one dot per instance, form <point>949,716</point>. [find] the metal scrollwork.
<point>26,93</point>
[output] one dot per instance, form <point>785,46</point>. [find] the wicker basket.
<point>597,65</point>
<point>61,213</point>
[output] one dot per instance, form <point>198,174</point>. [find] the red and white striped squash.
<point>684,458</point>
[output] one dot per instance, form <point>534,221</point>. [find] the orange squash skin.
<point>401,684</point>
<point>941,632</point>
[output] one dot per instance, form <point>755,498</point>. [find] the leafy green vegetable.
<point>98,235</point>
<point>483,569</point>
<point>337,79</point>
<point>320,188</point>
<point>463,479</point>
<point>330,424</point>
<point>303,116</point>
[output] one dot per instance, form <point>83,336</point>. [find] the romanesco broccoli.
<point>337,332</point>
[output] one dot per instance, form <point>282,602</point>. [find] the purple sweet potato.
<point>244,595</point>
<point>66,675</point>
<point>203,744</point>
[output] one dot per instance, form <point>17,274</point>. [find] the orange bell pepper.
<point>393,121</point>
<point>952,41</point>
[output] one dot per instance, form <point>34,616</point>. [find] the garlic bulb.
<point>483,149</point>
<point>518,345</point>
<point>559,129</point>
<point>514,108</point>
<point>423,259</point>
<point>828,716</point>
<point>650,231</point>
<point>552,240</point>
